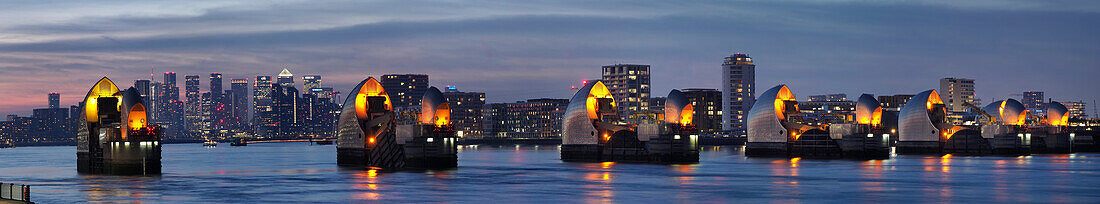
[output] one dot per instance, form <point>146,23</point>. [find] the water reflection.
<point>367,183</point>
<point>296,173</point>
<point>102,188</point>
<point>598,187</point>
<point>785,175</point>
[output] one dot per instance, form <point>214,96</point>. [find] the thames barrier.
<point>370,137</point>
<point>114,136</point>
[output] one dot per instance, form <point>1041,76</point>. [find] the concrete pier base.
<point>1010,145</point>
<point>1058,143</point>
<point>967,142</point>
<point>815,144</point>
<point>919,147</point>
<point>351,157</point>
<point>580,153</point>
<point>766,149</point>
<point>860,146</point>
<point>673,149</point>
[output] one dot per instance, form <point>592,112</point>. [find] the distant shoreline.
<point>486,141</point>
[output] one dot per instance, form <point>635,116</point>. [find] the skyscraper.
<point>239,99</point>
<point>629,84</point>
<point>193,114</point>
<point>465,111</point>
<point>55,100</point>
<point>310,82</point>
<point>284,111</point>
<point>286,79</point>
<point>1033,101</point>
<point>707,108</point>
<point>143,86</point>
<point>956,91</point>
<point>215,85</point>
<point>405,89</point>
<point>261,104</point>
<point>738,91</point>
<point>170,109</point>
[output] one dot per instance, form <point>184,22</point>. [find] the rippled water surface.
<point>297,172</point>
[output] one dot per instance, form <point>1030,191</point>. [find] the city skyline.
<point>517,51</point>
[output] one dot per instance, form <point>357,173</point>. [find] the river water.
<point>298,172</point>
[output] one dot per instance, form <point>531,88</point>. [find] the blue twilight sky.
<point>515,50</point>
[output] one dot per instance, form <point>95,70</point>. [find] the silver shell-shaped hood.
<point>1006,112</point>
<point>868,110</point>
<point>1057,114</point>
<point>577,126</point>
<point>914,120</point>
<point>763,121</point>
<point>674,106</point>
<point>431,101</point>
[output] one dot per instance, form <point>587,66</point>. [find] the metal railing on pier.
<point>11,191</point>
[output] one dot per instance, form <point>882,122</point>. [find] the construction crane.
<point>979,110</point>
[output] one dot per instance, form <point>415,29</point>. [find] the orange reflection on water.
<point>945,163</point>
<point>368,180</point>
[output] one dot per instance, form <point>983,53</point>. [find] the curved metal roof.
<point>764,116</point>
<point>102,88</point>
<point>914,119</point>
<point>430,105</point>
<point>1008,112</point>
<point>577,127</point>
<point>349,133</point>
<point>675,105</point>
<point>868,110</point>
<point>131,98</point>
<point>1057,114</point>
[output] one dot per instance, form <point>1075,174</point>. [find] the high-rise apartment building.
<point>738,91</point>
<point>956,91</point>
<point>1077,109</point>
<point>1034,102</point>
<point>405,89</point>
<point>629,84</point>
<point>707,108</point>
<point>465,111</point>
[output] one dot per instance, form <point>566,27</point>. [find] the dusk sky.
<point>516,50</point>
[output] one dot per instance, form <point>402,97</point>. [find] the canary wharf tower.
<point>738,91</point>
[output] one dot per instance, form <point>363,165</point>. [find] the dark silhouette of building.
<point>405,89</point>
<point>466,111</point>
<point>193,115</point>
<point>55,100</point>
<point>707,109</point>
<point>531,119</point>
<point>893,103</point>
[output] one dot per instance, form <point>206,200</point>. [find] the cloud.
<point>514,51</point>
